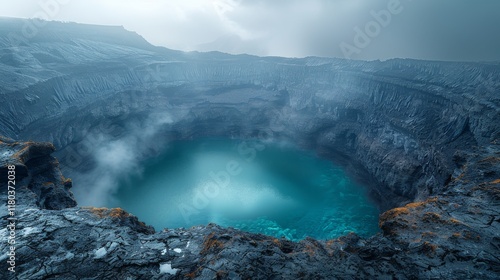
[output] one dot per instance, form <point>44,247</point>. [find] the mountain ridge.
<point>423,136</point>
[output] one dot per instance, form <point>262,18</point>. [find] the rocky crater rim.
<point>443,232</point>
<point>425,135</point>
<point>51,185</point>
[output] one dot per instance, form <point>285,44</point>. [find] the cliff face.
<point>396,123</point>
<point>37,171</point>
<point>411,130</point>
<point>453,235</point>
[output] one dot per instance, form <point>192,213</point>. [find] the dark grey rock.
<point>413,131</point>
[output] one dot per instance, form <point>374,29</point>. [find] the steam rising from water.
<point>258,186</point>
<point>117,159</point>
<point>268,188</point>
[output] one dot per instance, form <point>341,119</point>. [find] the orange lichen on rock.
<point>105,212</point>
<point>97,211</point>
<point>422,203</point>
<point>429,248</point>
<point>118,213</point>
<point>276,241</point>
<point>393,213</point>
<point>471,235</point>
<point>432,217</point>
<point>211,244</point>
<point>310,250</point>
<point>428,234</point>
<point>455,221</point>
<point>390,218</point>
<point>20,155</point>
<point>30,148</point>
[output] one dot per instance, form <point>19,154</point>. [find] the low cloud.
<point>118,159</point>
<point>425,29</point>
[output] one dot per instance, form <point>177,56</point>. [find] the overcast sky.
<point>358,29</point>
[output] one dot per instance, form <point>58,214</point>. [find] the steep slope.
<point>450,236</point>
<point>409,129</point>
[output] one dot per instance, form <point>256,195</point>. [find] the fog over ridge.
<point>425,29</point>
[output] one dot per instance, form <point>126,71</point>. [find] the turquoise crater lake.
<point>269,188</point>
